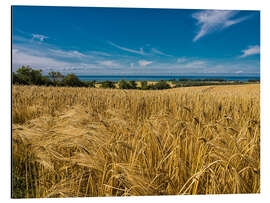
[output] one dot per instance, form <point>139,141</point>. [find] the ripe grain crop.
<point>82,142</point>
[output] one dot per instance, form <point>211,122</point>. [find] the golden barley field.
<point>83,142</point>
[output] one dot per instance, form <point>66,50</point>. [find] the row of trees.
<point>28,76</point>
<point>123,84</point>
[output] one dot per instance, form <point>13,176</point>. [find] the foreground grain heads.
<point>77,142</point>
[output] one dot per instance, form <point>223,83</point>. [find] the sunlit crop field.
<point>82,142</point>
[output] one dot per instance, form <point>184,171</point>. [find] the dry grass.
<point>100,142</point>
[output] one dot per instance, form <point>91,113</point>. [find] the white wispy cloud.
<point>156,51</point>
<point>108,63</point>
<point>190,62</point>
<point>67,54</point>
<point>49,57</point>
<point>37,59</point>
<point>144,50</point>
<point>36,54</point>
<point>24,58</point>
<point>14,51</point>
<point>239,71</point>
<point>144,62</point>
<point>99,53</point>
<point>61,60</point>
<point>39,37</point>
<point>140,52</point>
<point>181,60</point>
<point>212,20</point>
<point>195,64</point>
<point>252,50</point>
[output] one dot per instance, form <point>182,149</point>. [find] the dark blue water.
<point>157,78</point>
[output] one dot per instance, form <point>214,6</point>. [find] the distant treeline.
<point>162,84</point>
<point>28,76</point>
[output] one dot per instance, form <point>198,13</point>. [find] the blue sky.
<point>129,41</point>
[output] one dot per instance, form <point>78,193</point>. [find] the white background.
<point>5,95</point>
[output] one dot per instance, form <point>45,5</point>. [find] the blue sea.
<point>157,78</point>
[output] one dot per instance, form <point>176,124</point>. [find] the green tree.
<point>24,70</point>
<point>72,80</point>
<point>36,77</point>
<point>89,83</point>
<point>27,76</point>
<point>133,84</point>
<point>47,81</point>
<point>162,84</point>
<point>123,84</point>
<point>57,77</point>
<point>52,75</point>
<point>18,79</point>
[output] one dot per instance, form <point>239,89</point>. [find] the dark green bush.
<point>89,83</point>
<point>133,84</point>
<point>27,76</point>
<point>144,85</point>
<point>107,84</point>
<point>161,85</point>
<point>123,84</point>
<point>72,80</point>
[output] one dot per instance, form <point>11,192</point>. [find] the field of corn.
<point>82,142</point>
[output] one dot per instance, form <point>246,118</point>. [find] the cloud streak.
<point>66,61</point>
<point>181,60</point>
<point>195,64</point>
<point>210,21</point>
<point>67,54</point>
<point>48,57</point>
<point>144,51</point>
<point>156,51</point>
<point>39,37</point>
<point>140,52</point>
<point>252,50</point>
<point>24,58</point>
<point>131,66</point>
<point>108,63</point>
<point>144,62</point>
